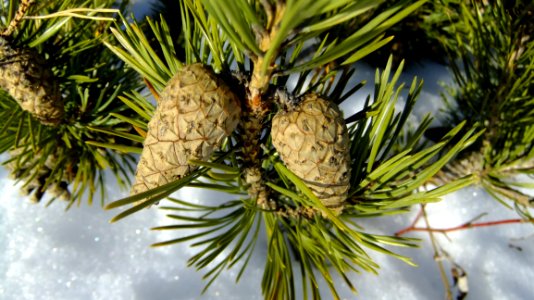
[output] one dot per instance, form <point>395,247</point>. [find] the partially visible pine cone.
<point>36,175</point>
<point>313,142</point>
<point>25,76</point>
<point>196,111</point>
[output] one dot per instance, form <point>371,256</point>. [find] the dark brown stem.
<point>23,8</point>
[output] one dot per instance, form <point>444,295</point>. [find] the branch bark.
<point>23,9</point>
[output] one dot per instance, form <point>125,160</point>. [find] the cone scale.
<point>313,142</point>
<point>195,112</point>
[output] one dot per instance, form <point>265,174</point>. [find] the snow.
<point>47,253</point>
<point>50,253</point>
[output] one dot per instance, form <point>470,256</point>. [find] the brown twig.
<point>412,225</point>
<point>23,8</point>
<point>257,107</point>
<point>464,226</point>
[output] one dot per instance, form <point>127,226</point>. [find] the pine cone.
<point>313,142</point>
<point>24,75</point>
<point>196,111</point>
<point>27,168</point>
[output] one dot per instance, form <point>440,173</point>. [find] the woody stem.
<point>23,8</point>
<point>464,226</point>
<point>255,112</point>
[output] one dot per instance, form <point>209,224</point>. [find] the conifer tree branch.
<point>24,6</point>
<point>494,88</point>
<point>67,161</point>
<point>257,107</point>
<point>386,173</point>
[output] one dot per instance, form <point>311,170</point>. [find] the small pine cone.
<point>25,76</point>
<point>196,111</point>
<point>313,142</point>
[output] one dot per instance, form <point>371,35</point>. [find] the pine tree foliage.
<point>491,51</point>
<point>62,159</point>
<point>261,48</point>
<point>488,47</point>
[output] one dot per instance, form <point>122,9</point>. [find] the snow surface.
<point>50,253</point>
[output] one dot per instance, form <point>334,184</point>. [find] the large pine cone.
<point>25,76</point>
<point>196,111</point>
<point>313,142</point>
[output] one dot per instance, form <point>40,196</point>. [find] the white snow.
<point>47,253</point>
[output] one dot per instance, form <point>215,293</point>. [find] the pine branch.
<point>61,160</point>
<point>494,89</point>
<point>267,40</point>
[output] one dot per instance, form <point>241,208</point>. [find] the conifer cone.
<point>196,111</point>
<point>313,142</point>
<point>36,175</point>
<point>25,76</point>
